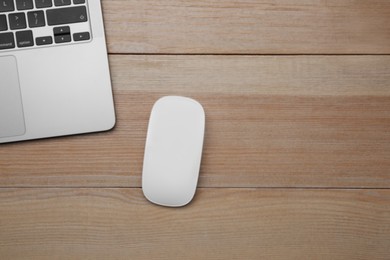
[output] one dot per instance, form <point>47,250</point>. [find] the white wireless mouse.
<point>173,151</point>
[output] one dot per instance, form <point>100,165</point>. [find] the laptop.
<point>54,73</point>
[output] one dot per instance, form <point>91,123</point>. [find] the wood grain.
<point>251,26</point>
<point>219,224</point>
<point>285,121</point>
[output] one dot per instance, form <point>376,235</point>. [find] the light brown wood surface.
<point>296,161</point>
<point>250,26</point>
<point>219,224</point>
<point>284,121</point>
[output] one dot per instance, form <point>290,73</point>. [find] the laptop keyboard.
<point>35,23</point>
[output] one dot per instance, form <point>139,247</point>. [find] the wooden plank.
<point>251,26</point>
<point>219,224</point>
<point>301,121</point>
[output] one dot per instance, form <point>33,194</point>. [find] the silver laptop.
<point>54,74</point>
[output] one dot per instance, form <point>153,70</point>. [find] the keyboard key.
<point>36,19</point>
<point>44,40</point>
<point>62,38</point>
<point>85,36</point>
<point>7,41</point>
<point>24,39</point>
<point>3,23</point>
<point>77,2</point>
<point>43,3</point>
<point>60,16</point>
<point>17,21</point>
<point>61,30</point>
<point>24,4</point>
<point>7,6</point>
<point>62,2</point>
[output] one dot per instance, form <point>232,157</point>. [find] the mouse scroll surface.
<point>173,151</point>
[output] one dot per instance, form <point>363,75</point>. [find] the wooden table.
<point>297,153</point>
